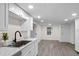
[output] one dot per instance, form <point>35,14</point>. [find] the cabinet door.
<point>3,16</point>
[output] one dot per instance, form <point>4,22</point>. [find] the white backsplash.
<point>11,33</point>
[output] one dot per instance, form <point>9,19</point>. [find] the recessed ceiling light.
<point>30,6</point>
<point>65,19</point>
<point>39,17</point>
<point>42,20</point>
<point>49,24</point>
<point>74,14</point>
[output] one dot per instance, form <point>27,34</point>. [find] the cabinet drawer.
<point>34,49</point>
<point>30,50</point>
<point>18,53</point>
<point>26,49</point>
<point>29,53</point>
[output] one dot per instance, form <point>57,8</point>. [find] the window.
<point>48,30</point>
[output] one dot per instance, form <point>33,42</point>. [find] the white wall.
<point>28,24</point>
<point>77,35</point>
<point>72,40</point>
<point>13,26</point>
<point>11,31</point>
<point>38,31</point>
<point>55,35</point>
<point>67,32</point>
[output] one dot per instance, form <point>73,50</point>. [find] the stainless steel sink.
<point>19,44</point>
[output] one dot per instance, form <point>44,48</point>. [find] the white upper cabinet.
<point>15,13</point>
<point>18,12</point>
<point>21,17</point>
<point>3,16</point>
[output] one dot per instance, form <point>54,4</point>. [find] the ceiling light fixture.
<point>30,6</point>
<point>42,21</point>
<point>49,24</point>
<point>65,19</point>
<point>74,14</point>
<point>39,17</point>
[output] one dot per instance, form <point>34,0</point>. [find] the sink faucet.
<point>15,35</point>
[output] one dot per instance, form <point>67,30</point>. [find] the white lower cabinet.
<point>30,50</point>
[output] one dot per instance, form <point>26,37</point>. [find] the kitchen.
<point>39,29</point>
<point>13,19</point>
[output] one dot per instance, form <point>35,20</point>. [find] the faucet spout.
<point>15,35</point>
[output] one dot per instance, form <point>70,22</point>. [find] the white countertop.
<point>9,51</point>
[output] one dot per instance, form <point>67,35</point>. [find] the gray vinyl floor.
<point>55,48</point>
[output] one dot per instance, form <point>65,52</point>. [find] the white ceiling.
<point>53,13</point>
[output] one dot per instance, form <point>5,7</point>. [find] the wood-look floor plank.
<point>55,48</point>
